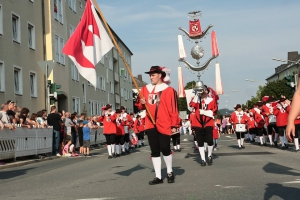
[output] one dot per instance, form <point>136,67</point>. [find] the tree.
<point>190,85</point>
<point>276,89</point>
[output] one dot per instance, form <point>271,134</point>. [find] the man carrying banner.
<point>161,100</point>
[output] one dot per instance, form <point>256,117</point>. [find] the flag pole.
<point>120,52</point>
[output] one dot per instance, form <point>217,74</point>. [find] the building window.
<point>83,93</point>
<point>76,104</point>
<point>287,73</point>
<point>72,5</point>
<point>16,30</point>
<point>112,87</point>
<point>2,77</point>
<point>59,55</point>
<point>98,108</point>
<point>58,10</point>
<point>33,84</point>
<point>31,36</point>
<point>18,81</point>
<point>72,29</point>
<point>122,92</point>
<point>1,20</point>
<point>110,63</point>
<point>103,83</point>
<point>91,106</point>
<point>98,82</point>
<point>74,72</point>
<point>80,4</point>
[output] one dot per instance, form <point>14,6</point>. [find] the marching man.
<point>126,118</point>
<point>203,122</point>
<point>161,100</point>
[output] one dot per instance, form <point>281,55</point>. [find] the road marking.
<point>292,182</point>
<point>228,187</point>
<point>185,140</point>
<point>103,198</point>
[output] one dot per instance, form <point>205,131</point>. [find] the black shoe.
<point>265,144</point>
<point>210,161</point>
<point>271,145</point>
<point>156,181</point>
<point>140,146</point>
<point>252,141</point>
<point>89,155</point>
<point>127,151</point>
<point>143,144</point>
<point>117,155</point>
<point>240,148</point>
<point>203,163</point>
<point>243,147</point>
<point>178,150</point>
<point>114,155</point>
<point>275,143</point>
<point>123,153</point>
<point>283,147</point>
<point>170,177</point>
<point>135,146</point>
<point>297,151</point>
<point>110,157</point>
<point>286,146</point>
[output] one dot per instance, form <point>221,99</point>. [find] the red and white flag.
<point>88,44</point>
<point>214,44</point>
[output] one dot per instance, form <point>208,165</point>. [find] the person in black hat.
<point>161,100</point>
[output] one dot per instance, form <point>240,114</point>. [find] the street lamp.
<point>251,80</point>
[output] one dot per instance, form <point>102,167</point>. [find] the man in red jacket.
<point>203,122</point>
<point>161,100</point>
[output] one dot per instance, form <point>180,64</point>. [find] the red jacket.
<point>238,118</point>
<point>207,104</point>
<point>120,126</point>
<point>258,118</point>
<point>139,125</point>
<point>109,123</point>
<point>281,111</point>
<point>215,132</point>
<point>167,114</point>
<point>251,123</point>
<point>128,121</point>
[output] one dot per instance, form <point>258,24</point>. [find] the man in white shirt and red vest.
<point>161,100</point>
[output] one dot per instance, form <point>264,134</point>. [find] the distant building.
<point>286,69</point>
<point>32,31</point>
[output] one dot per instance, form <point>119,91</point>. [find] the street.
<point>251,173</point>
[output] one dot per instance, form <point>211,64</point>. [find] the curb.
<point>22,163</point>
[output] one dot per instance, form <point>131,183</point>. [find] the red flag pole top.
<point>120,52</point>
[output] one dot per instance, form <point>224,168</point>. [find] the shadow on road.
<point>13,173</point>
<point>278,190</point>
<point>279,169</point>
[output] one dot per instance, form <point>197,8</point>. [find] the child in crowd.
<point>68,149</point>
<point>80,136</point>
<point>86,138</point>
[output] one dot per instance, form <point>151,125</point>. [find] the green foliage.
<point>190,85</point>
<point>276,89</point>
<point>182,104</point>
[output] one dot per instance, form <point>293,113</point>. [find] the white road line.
<point>292,182</point>
<point>103,198</point>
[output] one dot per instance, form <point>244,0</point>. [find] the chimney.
<point>140,77</point>
<point>292,55</point>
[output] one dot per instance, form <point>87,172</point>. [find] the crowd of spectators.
<point>67,127</point>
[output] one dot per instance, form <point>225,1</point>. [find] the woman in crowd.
<point>23,118</point>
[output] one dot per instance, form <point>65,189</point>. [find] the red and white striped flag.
<point>88,44</point>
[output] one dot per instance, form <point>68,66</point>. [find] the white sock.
<point>178,146</point>
<point>140,143</point>
<point>239,142</point>
<point>109,149</point>
<point>271,140</point>
<point>282,141</point>
<point>202,154</point>
<point>258,139</point>
<point>175,147</point>
<point>242,141</point>
<point>210,150</point>
<point>196,143</point>
<point>205,146</point>
<point>285,139</point>
<point>251,137</point>
<point>118,149</point>
<point>276,137</point>
<point>157,166</point>
<point>123,148</point>
<point>168,161</point>
<point>261,140</point>
<point>264,139</point>
<point>296,141</point>
<point>113,148</point>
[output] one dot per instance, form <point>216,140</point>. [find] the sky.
<point>249,35</point>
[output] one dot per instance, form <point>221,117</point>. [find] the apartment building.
<point>55,22</point>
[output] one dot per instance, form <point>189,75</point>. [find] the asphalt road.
<point>252,173</point>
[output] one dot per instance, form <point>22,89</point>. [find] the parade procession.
<point>83,116</point>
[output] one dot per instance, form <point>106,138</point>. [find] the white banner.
<point>181,49</point>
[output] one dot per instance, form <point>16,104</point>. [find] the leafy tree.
<point>276,89</point>
<point>190,85</point>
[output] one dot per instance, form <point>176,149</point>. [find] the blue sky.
<point>249,34</point>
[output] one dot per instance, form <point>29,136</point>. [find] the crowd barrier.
<point>96,136</point>
<point>25,142</point>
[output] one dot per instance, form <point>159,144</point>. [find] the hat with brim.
<point>156,69</point>
<point>237,106</point>
<point>118,111</point>
<point>106,107</point>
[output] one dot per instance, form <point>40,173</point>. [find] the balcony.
<point>115,54</point>
<point>116,77</point>
<point>117,98</point>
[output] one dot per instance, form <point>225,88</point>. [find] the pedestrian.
<point>256,112</point>
<point>224,123</point>
<point>216,136</point>
<point>161,99</point>
<point>176,141</point>
<point>239,120</point>
<point>128,122</point>
<point>54,119</point>
<point>205,110</point>
<point>270,118</point>
<point>86,138</point>
<point>108,118</point>
<point>80,136</point>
